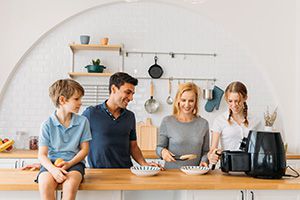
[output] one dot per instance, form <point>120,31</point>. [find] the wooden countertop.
<point>17,153</point>
<point>150,154</point>
<point>123,179</point>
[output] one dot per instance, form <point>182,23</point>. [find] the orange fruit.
<point>57,161</point>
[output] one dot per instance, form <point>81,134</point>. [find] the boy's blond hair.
<point>66,88</point>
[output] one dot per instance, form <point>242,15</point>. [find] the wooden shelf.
<point>73,74</point>
<point>116,47</point>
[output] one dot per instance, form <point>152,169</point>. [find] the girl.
<point>230,127</point>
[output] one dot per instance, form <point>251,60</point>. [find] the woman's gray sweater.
<point>184,138</point>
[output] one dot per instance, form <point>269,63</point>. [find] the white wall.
<point>265,30</point>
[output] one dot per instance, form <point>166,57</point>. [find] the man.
<point>113,127</point>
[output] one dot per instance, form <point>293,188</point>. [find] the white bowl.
<point>194,170</point>
<point>144,170</point>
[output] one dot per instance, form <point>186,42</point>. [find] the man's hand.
<point>32,167</point>
<point>154,164</point>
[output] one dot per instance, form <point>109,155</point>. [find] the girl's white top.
<point>231,135</point>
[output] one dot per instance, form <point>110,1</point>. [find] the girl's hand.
<point>212,156</point>
<point>58,174</point>
<point>167,155</point>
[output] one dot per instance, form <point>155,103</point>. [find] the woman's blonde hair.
<point>189,86</point>
<point>239,88</point>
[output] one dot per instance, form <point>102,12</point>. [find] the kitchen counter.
<point>123,179</point>
<point>18,153</point>
<point>149,154</point>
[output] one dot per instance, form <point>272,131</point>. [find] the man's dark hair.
<point>120,78</point>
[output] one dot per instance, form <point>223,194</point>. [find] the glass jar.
<point>20,139</point>
<point>33,142</point>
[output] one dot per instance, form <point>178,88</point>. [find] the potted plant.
<point>95,67</point>
<point>270,119</point>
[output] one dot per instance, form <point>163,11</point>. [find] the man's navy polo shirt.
<point>110,146</point>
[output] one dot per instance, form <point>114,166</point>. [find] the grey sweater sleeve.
<point>163,139</point>
<point>205,147</point>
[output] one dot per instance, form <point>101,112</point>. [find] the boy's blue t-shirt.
<point>110,147</point>
<point>64,142</point>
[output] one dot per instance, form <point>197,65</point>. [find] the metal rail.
<point>172,54</point>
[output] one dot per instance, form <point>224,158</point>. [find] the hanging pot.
<point>155,71</point>
<point>207,94</point>
<point>151,105</point>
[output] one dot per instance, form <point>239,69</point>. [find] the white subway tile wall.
<point>140,26</point>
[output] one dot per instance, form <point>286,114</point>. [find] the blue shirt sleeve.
<point>86,135</point>
<point>44,139</point>
<point>132,135</point>
<point>87,113</point>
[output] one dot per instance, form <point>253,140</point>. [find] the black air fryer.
<point>262,156</point>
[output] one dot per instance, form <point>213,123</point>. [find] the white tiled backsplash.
<point>140,26</point>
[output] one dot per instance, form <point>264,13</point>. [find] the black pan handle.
<point>155,59</point>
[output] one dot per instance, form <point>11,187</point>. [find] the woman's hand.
<point>167,155</point>
<point>212,156</point>
<point>203,164</point>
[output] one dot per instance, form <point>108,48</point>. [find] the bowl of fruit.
<point>6,145</point>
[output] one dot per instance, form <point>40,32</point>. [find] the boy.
<point>63,135</point>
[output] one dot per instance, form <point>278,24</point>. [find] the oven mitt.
<point>215,102</point>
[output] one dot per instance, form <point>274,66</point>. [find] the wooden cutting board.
<point>146,135</point>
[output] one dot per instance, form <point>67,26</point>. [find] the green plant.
<point>96,62</point>
<point>95,67</point>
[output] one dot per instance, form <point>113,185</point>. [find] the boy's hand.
<point>58,174</point>
<point>64,165</point>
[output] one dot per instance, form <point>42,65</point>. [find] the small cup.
<point>84,39</point>
<point>104,41</point>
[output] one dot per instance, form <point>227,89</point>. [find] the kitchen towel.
<point>215,102</point>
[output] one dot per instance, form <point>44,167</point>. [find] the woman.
<point>230,127</point>
<point>184,132</point>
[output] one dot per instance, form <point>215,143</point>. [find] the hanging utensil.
<point>155,71</point>
<point>169,99</point>
<point>208,92</point>
<point>151,105</point>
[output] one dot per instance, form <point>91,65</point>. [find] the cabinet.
<point>95,47</point>
<point>244,195</point>
<point>272,194</point>
<point>9,163</point>
<point>294,163</point>
<point>16,163</point>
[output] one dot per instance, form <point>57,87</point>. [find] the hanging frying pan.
<point>155,71</point>
<point>151,105</point>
